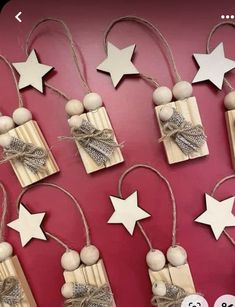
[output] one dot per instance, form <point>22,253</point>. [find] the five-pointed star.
<point>218,215</point>
<point>28,225</point>
<point>118,63</point>
<point>127,212</point>
<point>213,66</point>
<point>31,72</point>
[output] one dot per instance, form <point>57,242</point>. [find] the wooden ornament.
<point>230,120</point>
<point>93,275</point>
<point>180,276</point>
<point>189,109</point>
<point>11,267</point>
<point>31,133</point>
<point>99,118</point>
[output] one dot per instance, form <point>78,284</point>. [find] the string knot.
<point>99,144</point>
<point>10,291</point>
<point>32,156</point>
<point>190,138</point>
<point>90,296</point>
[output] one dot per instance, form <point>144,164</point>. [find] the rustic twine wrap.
<point>10,291</point>
<point>173,298</point>
<point>190,138</point>
<point>90,296</point>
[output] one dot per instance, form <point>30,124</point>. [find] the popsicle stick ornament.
<point>89,122</point>
<point>179,120</point>
<point>229,99</point>
<point>86,280</point>
<point>14,287</point>
<point>171,279</point>
<point>23,143</point>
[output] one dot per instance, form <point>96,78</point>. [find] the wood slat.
<point>95,275</point>
<point>12,267</point>
<point>189,109</point>
<point>99,118</point>
<point>230,123</point>
<point>162,275</point>
<point>31,133</point>
<point>181,276</point>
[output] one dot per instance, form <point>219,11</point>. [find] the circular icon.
<point>226,300</point>
<point>194,300</point>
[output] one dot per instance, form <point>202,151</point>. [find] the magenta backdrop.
<point>186,26</point>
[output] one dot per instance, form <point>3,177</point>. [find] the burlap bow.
<point>190,138</point>
<point>99,144</point>
<point>33,157</point>
<point>10,291</point>
<point>90,296</point>
<point>173,298</point>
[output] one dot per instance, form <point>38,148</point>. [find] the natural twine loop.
<point>79,66</point>
<point>161,37</point>
<point>224,23</point>
<point>4,212</point>
<point>174,215</point>
<point>75,202</point>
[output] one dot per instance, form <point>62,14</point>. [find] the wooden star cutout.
<point>28,225</point>
<point>127,212</point>
<point>218,215</point>
<point>118,63</point>
<point>213,66</point>
<point>31,72</point>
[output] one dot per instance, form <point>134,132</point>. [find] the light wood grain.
<point>94,275</point>
<point>12,267</point>
<point>189,109</point>
<point>100,120</point>
<point>31,133</point>
<point>162,275</point>
<point>230,123</point>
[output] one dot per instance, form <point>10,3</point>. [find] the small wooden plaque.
<point>180,276</point>
<point>31,133</point>
<point>12,267</point>
<point>99,118</point>
<point>93,275</point>
<point>230,123</point>
<point>189,109</point>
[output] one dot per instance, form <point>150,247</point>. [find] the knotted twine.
<point>90,296</point>
<point>189,138</point>
<point>99,144</point>
<point>10,289</point>
<point>31,156</point>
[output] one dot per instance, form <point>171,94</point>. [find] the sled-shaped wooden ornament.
<point>189,109</point>
<point>179,276</point>
<point>99,118</point>
<point>230,123</point>
<point>89,274</point>
<point>11,268</point>
<point>31,133</point>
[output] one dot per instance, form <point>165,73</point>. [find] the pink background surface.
<point>186,26</point>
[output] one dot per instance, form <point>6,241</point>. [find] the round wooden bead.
<point>5,140</point>
<point>90,255</point>
<point>67,290</point>
<point>75,121</point>
<point>6,251</point>
<point>182,90</point>
<point>159,288</point>
<point>70,260</point>
<point>162,95</point>
<point>176,255</point>
<point>6,124</point>
<point>229,101</point>
<point>155,260</point>
<point>74,107</point>
<point>92,101</point>
<point>21,116</point>
<point>166,113</point>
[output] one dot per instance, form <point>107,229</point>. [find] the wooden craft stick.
<point>189,109</point>
<point>94,275</point>
<point>230,123</point>
<point>12,267</point>
<point>181,276</point>
<point>162,275</point>
<point>31,133</point>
